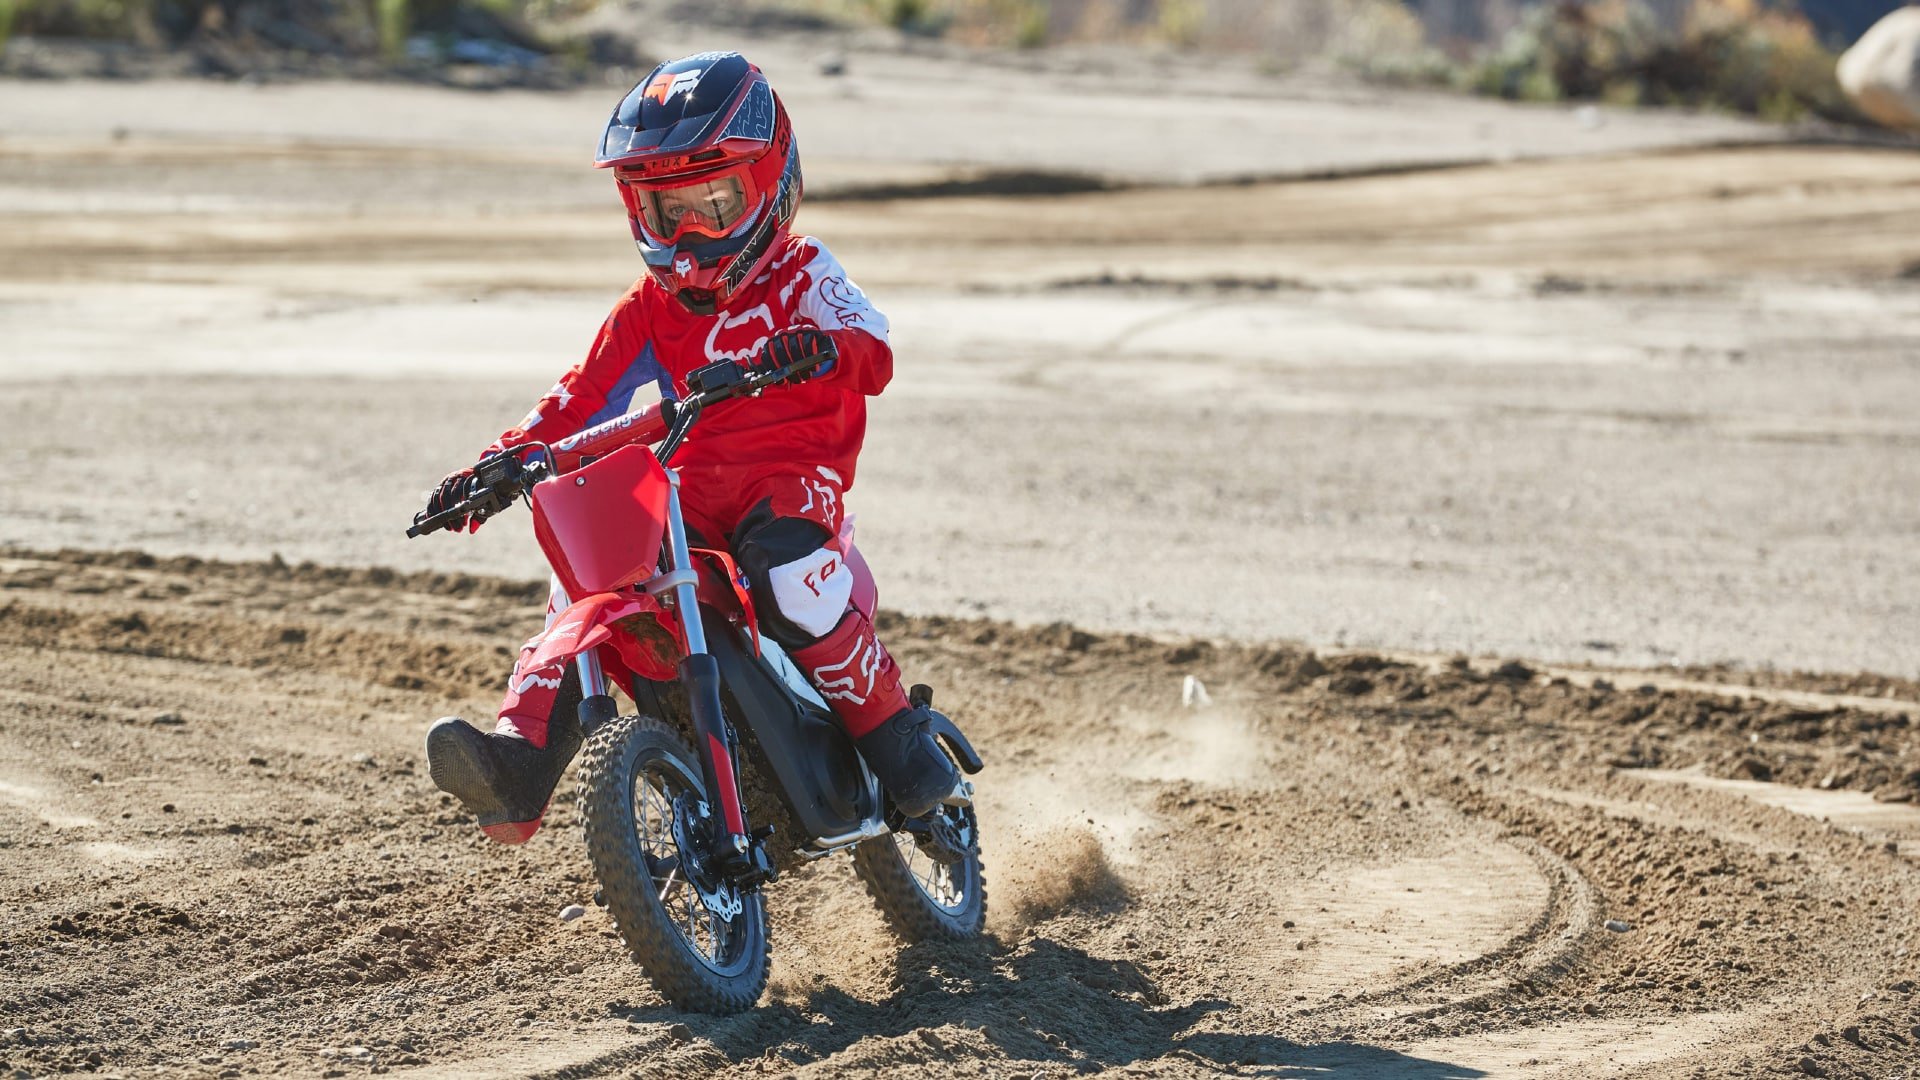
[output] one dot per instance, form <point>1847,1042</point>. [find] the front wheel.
<point>702,940</point>
<point>929,888</point>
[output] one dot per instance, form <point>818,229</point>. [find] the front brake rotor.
<point>690,822</point>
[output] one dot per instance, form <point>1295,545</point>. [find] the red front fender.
<point>649,645</point>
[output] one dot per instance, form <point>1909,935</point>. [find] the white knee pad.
<point>813,592</point>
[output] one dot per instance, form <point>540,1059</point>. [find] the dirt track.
<point>218,828</point>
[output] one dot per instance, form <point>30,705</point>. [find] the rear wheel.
<point>929,888</point>
<point>702,940</point>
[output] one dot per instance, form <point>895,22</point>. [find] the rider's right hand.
<point>792,345</point>
<point>451,492</point>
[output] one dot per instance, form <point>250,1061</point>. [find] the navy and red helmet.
<point>705,158</point>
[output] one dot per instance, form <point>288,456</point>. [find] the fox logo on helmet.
<point>683,266</point>
<point>668,83</point>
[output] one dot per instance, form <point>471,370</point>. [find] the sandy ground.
<point>222,857</point>
<point>1650,407</point>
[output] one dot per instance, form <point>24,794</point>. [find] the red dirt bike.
<point>680,823</point>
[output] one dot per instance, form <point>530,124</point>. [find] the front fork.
<point>738,854</point>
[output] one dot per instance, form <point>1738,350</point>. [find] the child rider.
<point>706,164</point>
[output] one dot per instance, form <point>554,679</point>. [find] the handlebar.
<point>497,481</point>
<point>501,479</point>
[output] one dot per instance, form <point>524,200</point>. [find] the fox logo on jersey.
<point>740,337</point>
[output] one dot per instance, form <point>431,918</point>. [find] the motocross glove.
<point>451,492</point>
<point>793,344</point>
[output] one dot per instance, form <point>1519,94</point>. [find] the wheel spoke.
<point>940,883</point>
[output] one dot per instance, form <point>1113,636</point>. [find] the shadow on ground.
<point>1039,1005</point>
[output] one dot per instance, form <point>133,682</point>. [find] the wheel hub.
<point>946,835</point>
<point>691,824</point>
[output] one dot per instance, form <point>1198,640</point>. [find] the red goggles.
<point>710,206</point>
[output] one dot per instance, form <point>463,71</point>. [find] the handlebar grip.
<point>435,522</point>
<point>828,355</point>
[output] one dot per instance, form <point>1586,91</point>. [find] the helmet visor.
<point>711,206</point>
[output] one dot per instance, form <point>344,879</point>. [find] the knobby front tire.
<point>634,766</point>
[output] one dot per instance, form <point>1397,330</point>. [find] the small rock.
<point>1753,769</point>
<point>680,1033</point>
<point>238,1044</point>
<point>1811,1067</point>
<point>357,1053</point>
<point>170,719</point>
<point>209,1059</point>
<point>256,760</point>
<point>1309,669</point>
<point>572,912</point>
<point>1193,693</point>
<point>1603,684</point>
<point>166,808</point>
<point>1514,671</point>
<point>1617,926</point>
<point>574,967</point>
<point>1851,1033</point>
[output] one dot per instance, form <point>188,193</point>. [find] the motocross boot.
<point>503,780</point>
<point>861,683</point>
<point>909,763</point>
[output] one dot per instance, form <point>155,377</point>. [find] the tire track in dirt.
<point>217,831</point>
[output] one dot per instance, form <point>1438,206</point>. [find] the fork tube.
<point>684,596</point>
<point>700,675</point>
<point>592,682</point>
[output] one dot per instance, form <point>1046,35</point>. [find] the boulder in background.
<point>1881,72</point>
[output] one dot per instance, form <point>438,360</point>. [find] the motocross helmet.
<point>707,167</point>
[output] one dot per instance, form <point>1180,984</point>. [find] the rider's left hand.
<point>791,345</point>
<point>451,492</point>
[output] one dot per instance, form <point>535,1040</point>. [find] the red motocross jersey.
<point>650,339</point>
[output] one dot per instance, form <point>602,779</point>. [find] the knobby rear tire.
<point>617,755</point>
<point>908,910</point>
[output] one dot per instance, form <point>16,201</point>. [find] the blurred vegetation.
<point>1747,56</point>
<point>1286,30</point>
<point>350,27</point>
<point>1725,54</point>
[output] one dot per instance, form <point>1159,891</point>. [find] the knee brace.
<point>813,591</point>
